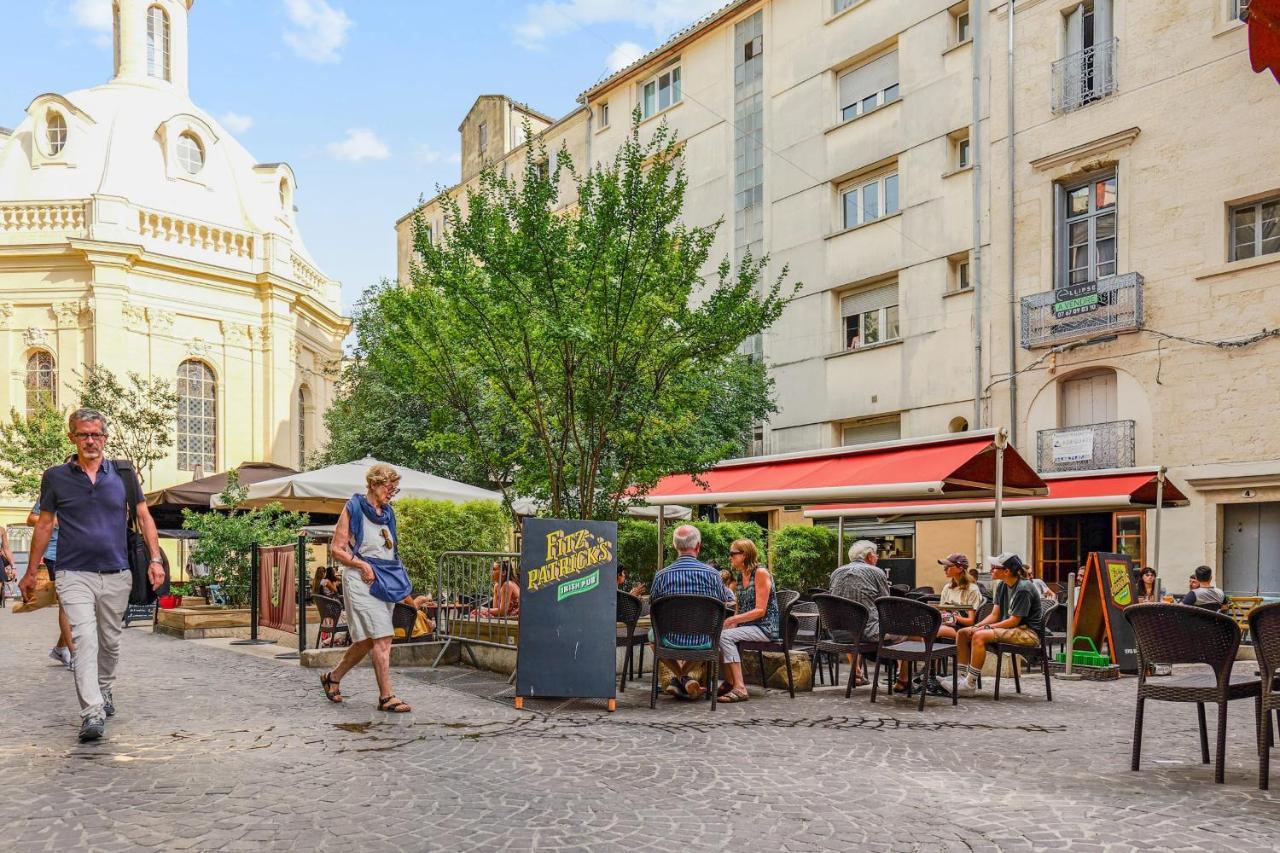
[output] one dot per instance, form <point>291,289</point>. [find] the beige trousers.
<point>95,605</point>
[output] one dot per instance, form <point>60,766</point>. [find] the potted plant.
<point>174,598</point>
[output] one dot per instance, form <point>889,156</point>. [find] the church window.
<point>190,154</point>
<point>55,133</point>
<point>42,382</point>
<point>284,194</point>
<point>157,43</point>
<point>197,416</point>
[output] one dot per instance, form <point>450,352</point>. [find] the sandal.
<point>724,689</point>
<point>331,690</point>
<point>393,705</point>
<point>735,696</point>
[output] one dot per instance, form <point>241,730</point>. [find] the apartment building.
<point>834,136</point>
<point>1142,176</point>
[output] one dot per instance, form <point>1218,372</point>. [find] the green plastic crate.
<point>1084,657</point>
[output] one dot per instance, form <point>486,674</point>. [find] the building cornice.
<point>1086,149</point>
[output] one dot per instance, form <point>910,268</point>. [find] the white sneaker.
<point>966,686</point>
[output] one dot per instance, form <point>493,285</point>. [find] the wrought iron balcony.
<point>1085,448</point>
<point>1085,76</point>
<point>1107,306</point>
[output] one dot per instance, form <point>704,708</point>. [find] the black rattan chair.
<point>804,616</point>
<point>629,607</point>
<point>404,617</point>
<point>1264,628</point>
<point>786,601</point>
<point>701,615</point>
<point>1176,633</point>
<point>1055,627</point>
<point>331,624</point>
<point>1030,653</point>
<point>910,618</point>
<point>840,626</point>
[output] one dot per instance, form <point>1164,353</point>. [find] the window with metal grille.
<point>157,43</point>
<point>197,416</point>
<point>1255,229</point>
<point>42,382</point>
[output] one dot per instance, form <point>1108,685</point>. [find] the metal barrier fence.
<point>466,610</point>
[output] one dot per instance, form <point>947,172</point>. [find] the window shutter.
<point>869,300</point>
<point>872,432</point>
<point>876,75</point>
<point>1075,30</point>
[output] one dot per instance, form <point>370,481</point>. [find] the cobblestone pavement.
<point>216,750</point>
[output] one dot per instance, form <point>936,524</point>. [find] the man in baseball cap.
<point>1016,617</point>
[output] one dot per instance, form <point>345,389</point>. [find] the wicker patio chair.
<point>786,601</point>
<point>404,617</point>
<point>804,616</point>
<point>629,607</point>
<point>331,624</point>
<point>1238,607</point>
<point>1030,653</point>
<point>1264,627</point>
<point>1177,633</point>
<point>687,614</point>
<point>840,626</point>
<point>910,618</point>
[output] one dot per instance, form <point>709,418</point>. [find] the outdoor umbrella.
<point>328,489</point>
<point>166,505</point>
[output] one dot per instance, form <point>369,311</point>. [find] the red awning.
<point>1264,36</point>
<point>1097,491</point>
<point>956,465</point>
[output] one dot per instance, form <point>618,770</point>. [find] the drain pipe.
<point>975,153</point>
<point>1013,290</point>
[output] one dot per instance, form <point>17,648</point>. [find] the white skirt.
<point>368,618</point>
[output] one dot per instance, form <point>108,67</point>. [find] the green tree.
<point>140,415</point>
<point>428,528</point>
<point>586,350</point>
<point>804,556</point>
<point>29,445</point>
<point>227,537</point>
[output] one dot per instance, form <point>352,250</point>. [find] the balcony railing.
<point>1113,304</point>
<point>1085,448</point>
<point>1085,76</point>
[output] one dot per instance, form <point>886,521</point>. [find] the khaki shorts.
<point>1019,636</point>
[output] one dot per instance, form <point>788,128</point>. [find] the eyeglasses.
<point>89,436</point>
<point>735,553</point>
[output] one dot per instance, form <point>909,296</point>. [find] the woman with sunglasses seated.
<point>757,617</point>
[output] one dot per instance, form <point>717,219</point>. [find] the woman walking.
<point>365,532</point>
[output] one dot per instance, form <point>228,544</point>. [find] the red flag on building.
<point>1264,36</point>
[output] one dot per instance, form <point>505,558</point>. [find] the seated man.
<point>861,580</point>
<point>1016,617</point>
<point>687,576</point>
<point>1203,593</point>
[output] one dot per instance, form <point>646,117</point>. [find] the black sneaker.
<point>108,705</point>
<point>675,687</point>
<point>92,728</point>
<point>937,689</point>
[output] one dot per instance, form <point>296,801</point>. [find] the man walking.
<point>88,496</point>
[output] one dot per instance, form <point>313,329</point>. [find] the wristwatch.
<point>159,560</point>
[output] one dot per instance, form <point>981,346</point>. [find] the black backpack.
<point>141,592</point>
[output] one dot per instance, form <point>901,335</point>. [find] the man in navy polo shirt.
<point>87,497</point>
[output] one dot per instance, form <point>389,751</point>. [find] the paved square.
<point>218,750</point>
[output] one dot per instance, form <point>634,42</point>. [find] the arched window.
<point>157,43</point>
<point>197,417</point>
<point>284,195</point>
<point>55,133</point>
<point>190,154</point>
<point>42,382</point>
<point>302,427</point>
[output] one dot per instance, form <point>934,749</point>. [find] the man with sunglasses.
<point>88,497</point>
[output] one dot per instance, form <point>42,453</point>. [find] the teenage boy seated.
<point>1016,617</point>
<point>1203,593</point>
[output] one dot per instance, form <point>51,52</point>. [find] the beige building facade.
<point>841,137</point>
<point>137,234</point>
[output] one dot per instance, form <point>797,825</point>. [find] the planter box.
<point>210,620</point>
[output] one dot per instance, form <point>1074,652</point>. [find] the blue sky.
<point>361,97</point>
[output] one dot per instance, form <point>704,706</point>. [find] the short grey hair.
<point>686,537</point>
<point>860,550</point>
<point>84,416</point>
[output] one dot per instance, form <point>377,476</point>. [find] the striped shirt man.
<point>689,576</point>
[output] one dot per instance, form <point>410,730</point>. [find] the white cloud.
<point>429,156</point>
<point>623,55</point>
<point>546,20</point>
<point>92,14</point>
<point>360,144</point>
<point>235,122</point>
<point>319,30</point>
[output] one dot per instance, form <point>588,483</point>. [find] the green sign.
<point>578,585</point>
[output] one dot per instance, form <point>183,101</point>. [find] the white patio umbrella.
<point>328,489</point>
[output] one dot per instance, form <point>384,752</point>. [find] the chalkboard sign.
<point>568,609</point>
<point>1106,588</point>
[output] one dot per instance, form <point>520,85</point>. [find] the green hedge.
<point>804,557</point>
<point>638,544</point>
<point>429,528</point>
